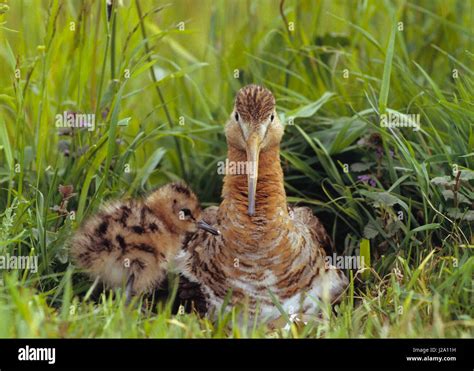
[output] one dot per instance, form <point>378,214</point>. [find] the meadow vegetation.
<point>160,77</point>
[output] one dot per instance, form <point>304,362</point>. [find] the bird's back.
<point>295,273</point>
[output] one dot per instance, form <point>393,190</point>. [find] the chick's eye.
<point>236,116</point>
<point>186,212</point>
<point>272,117</point>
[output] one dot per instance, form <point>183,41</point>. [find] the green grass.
<point>161,95</point>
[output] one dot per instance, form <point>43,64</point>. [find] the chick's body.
<point>136,241</point>
<point>122,239</point>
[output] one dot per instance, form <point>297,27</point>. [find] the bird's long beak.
<point>253,152</point>
<point>203,225</point>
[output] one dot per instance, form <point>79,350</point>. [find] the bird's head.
<point>253,127</point>
<point>181,207</point>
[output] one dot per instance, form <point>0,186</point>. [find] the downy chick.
<point>134,241</point>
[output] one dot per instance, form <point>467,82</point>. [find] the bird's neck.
<point>271,211</point>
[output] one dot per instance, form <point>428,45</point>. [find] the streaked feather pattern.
<point>278,250</point>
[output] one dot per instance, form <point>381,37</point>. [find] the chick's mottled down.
<point>134,242</point>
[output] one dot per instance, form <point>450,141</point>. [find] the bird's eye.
<point>272,117</point>
<point>236,116</point>
<point>186,212</point>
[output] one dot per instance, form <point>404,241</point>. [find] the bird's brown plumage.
<point>270,248</point>
<point>137,238</point>
<point>254,103</point>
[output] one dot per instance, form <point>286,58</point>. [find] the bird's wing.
<point>189,292</point>
<point>305,216</point>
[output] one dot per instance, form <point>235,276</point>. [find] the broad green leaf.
<point>358,167</point>
<point>383,198</point>
<point>441,180</point>
<point>370,231</point>
<point>309,109</point>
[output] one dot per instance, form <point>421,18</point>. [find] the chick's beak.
<point>253,152</point>
<point>203,225</point>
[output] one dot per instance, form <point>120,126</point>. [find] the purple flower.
<point>367,179</point>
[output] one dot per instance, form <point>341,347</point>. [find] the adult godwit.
<point>265,248</point>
